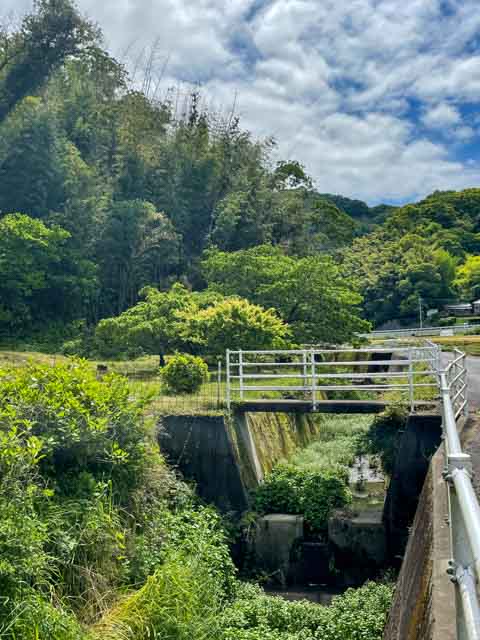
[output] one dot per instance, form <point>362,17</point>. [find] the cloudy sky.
<point>378,98</point>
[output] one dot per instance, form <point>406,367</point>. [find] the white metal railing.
<point>421,331</point>
<point>307,374</point>
<point>464,508</point>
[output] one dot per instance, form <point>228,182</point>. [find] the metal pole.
<point>305,370</point>
<point>314,382</point>
<point>449,422</point>
<point>229,399</point>
<point>468,596</point>
<point>420,311</point>
<point>410,381</point>
<point>219,383</point>
<point>470,511</point>
<point>240,372</point>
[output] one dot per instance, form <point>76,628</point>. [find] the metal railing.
<point>464,509</point>
<point>421,331</point>
<point>310,374</point>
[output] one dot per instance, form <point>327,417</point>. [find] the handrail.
<point>311,370</point>
<point>464,508</point>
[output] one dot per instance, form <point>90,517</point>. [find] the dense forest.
<point>107,195</point>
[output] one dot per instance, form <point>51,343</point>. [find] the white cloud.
<point>442,115</point>
<point>339,83</point>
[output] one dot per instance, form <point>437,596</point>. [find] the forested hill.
<point>105,191</point>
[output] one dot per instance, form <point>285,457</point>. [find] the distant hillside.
<point>358,209</point>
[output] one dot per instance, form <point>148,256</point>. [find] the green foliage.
<point>313,494</point>
<point>238,324</point>
<point>36,263</point>
<point>382,438</point>
<point>50,34</point>
<point>179,601</point>
<point>37,618</point>
<point>301,290</point>
<point>202,322</point>
<point>184,373</point>
<point>468,278</point>
<point>152,325</point>
<point>83,424</point>
<point>357,614</point>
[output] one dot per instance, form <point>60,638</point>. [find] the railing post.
<point>219,382</point>
<point>465,382</point>
<point>410,381</point>
<point>240,372</point>
<point>314,382</point>
<point>229,398</point>
<point>305,370</point>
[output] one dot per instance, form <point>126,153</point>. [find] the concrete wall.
<point>424,603</point>
<point>229,457</point>
<point>418,444</point>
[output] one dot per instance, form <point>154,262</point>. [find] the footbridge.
<point>366,380</point>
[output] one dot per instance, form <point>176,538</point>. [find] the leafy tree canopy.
<point>309,293</point>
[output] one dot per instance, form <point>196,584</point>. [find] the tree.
<point>40,278</point>
<point>138,247</point>
<point>152,325</point>
<point>391,274</point>
<point>309,293</point>
<point>53,32</point>
<point>467,279</point>
<point>199,322</point>
<point>234,323</point>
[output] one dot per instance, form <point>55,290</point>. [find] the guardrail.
<point>464,509</point>
<point>420,332</point>
<point>307,373</point>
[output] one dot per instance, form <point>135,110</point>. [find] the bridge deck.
<point>323,406</point>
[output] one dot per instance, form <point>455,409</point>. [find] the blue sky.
<point>378,98</point>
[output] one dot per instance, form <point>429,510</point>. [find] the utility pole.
<point>420,311</point>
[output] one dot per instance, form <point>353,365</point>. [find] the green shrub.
<point>356,615</point>
<point>184,373</point>
<point>313,494</point>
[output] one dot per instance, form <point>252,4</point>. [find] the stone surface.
<point>202,450</point>
<point>358,540</point>
<point>276,545</point>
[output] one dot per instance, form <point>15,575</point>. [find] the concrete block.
<point>359,540</point>
<point>276,538</point>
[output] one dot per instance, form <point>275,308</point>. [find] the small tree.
<point>238,324</point>
<point>152,325</point>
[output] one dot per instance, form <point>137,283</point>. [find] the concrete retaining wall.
<point>424,604</point>
<point>229,457</point>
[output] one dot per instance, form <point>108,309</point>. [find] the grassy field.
<point>467,344</point>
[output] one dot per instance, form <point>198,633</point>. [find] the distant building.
<point>476,307</point>
<point>461,309</point>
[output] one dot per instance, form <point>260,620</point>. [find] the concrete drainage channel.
<point>228,458</point>
<point>355,548</point>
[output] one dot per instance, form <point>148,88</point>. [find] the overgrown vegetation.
<point>315,480</point>
<point>98,538</point>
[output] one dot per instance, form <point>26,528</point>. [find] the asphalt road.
<point>473,369</point>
